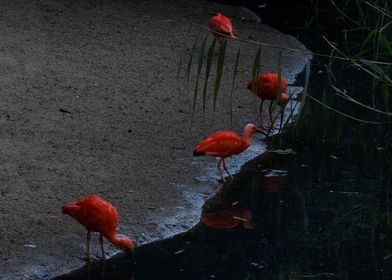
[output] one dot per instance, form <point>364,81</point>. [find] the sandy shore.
<point>89,104</point>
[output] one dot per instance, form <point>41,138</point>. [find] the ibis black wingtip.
<point>195,154</point>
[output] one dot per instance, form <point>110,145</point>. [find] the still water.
<point>305,213</point>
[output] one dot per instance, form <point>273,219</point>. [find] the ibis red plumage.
<point>267,89</point>
<point>224,144</point>
<point>98,215</point>
<point>221,24</point>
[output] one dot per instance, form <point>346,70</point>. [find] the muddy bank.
<point>89,104</point>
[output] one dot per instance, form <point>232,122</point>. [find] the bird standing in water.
<point>267,89</point>
<point>221,24</point>
<point>224,144</point>
<point>98,215</point>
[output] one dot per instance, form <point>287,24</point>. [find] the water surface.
<point>317,214</point>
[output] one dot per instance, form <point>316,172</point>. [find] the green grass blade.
<point>189,66</point>
<point>291,115</point>
<point>377,69</point>
<point>210,56</point>
<point>370,36</point>
<point>277,99</point>
<point>255,72</point>
<point>279,78</point>
<point>183,53</point>
<point>199,66</point>
<point>387,44</point>
<point>301,113</point>
<point>219,71</point>
<point>386,95</point>
<point>232,85</point>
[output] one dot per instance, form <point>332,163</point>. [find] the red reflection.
<point>229,216</point>
<point>269,184</point>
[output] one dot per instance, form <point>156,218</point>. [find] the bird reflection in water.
<point>228,216</point>
<point>266,173</point>
<point>269,183</point>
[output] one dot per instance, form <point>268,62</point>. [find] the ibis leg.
<point>225,167</point>
<point>219,169</point>
<point>261,127</point>
<point>270,115</point>
<point>88,257</point>
<point>281,119</point>
<point>102,250</point>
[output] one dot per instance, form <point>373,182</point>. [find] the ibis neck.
<point>247,136</point>
<point>117,241</point>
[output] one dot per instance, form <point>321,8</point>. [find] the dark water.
<point>316,214</point>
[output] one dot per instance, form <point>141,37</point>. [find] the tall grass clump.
<point>351,86</point>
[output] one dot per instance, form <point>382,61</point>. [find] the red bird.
<point>267,89</point>
<point>98,215</point>
<point>224,144</point>
<point>221,24</point>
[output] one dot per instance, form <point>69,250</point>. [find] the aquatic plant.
<point>350,99</point>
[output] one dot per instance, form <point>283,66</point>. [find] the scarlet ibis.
<point>224,144</point>
<point>267,89</point>
<point>98,215</point>
<point>221,24</point>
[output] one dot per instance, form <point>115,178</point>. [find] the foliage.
<point>350,97</point>
<point>346,92</point>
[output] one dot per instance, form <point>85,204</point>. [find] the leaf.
<point>386,43</point>
<point>232,85</point>
<point>377,69</point>
<point>219,70</point>
<point>339,129</point>
<point>277,99</point>
<point>188,68</point>
<point>387,256</point>
<point>386,94</point>
<point>279,78</point>
<point>292,110</point>
<point>302,107</point>
<point>208,68</point>
<point>200,64</point>
<point>255,72</point>
<point>368,37</point>
<point>283,152</point>
<point>183,53</point>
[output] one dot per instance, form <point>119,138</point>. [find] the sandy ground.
<point>89,104</point>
